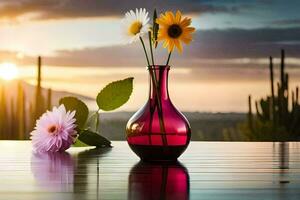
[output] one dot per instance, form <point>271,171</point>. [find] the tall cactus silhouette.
<point>31,115</point>
<point>275,119</point>
<point>21,112</point>
<point>39,104</point>
<point>3,114</point>
<point>13,128</point>
<point>49,99</point>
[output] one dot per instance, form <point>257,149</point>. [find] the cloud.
<point>57,9</point>
<point>239,43</point>
<point>207,44</point>
<point>286,22</point>
<point>209,48</point>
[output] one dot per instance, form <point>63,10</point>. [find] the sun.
<point>8,71</point>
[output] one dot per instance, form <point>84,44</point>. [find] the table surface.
<point>207,170</point>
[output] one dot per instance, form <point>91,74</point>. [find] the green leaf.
<point>115,94</point>
<point>92,122</point>
<point>93,139</point>
<point>82,111</point>
<point>79,143</point>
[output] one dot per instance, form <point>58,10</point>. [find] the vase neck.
<point>159,73</point>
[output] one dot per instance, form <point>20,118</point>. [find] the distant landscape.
<point>205,126</point>
<point>238,80</point>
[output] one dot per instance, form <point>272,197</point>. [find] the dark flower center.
<point>174,31</point>
<point>52,129</point>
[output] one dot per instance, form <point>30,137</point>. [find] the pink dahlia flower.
<point>54,131</point>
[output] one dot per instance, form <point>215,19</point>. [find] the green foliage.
<point>111,97</point>
<point>93,139</point>
<point>82,111</point>
<point>115,94</point>
<point>93,122</point>
<point>79,143</point>
<point>86,137</point>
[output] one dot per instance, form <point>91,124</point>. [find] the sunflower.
<point>174,30</point>
<point>135,24</point>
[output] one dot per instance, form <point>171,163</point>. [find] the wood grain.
<point>207,170</point>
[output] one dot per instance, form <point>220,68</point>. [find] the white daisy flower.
<point>135,25</point>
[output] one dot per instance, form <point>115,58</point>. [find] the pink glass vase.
<point>158,131</point>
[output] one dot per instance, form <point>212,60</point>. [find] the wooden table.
<point>207,170</point>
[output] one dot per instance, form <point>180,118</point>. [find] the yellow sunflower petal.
<point>186,39</point>
<point>170,46</point>
<point>164,20</point>
<point>170,16</point>
<point>178,45</point>
<point>186,34</point>
<point>186,22</point>
<point>161,21</point>
<point>189,29</point>
<point>182,32</point>
<point>162,34</point>
<point>166,43</point>
<point>178,17</point>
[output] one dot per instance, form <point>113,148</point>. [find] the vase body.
<point>158,131</point>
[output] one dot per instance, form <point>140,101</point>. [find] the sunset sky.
<point>80,41</point>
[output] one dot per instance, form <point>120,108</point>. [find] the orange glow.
<point>8,71</point>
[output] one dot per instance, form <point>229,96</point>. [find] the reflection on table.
<point>53,171</point>
<point>158,181</point>
<point>216,170</point>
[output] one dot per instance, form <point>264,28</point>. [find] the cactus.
<point>272,103</point>
<point>38,94</point>
<point>17,119</point>
<point>41,103</point>
<point>31,115</point>
<point>297,95</point>
<point>39,106</point>
<point>250,115</point>
<point>3,113</point>
<point>49,98</point>
<point>21,112</point>
<point>12,133</point>
<point>275,120</point>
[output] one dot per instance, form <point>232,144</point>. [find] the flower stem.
<point>161,121</point>
<point>169,58</point>
<point>97,121</point>
<point>145,51</point>
<point>151,51</point>
<point>157,93</point>
<point>159,106</point>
